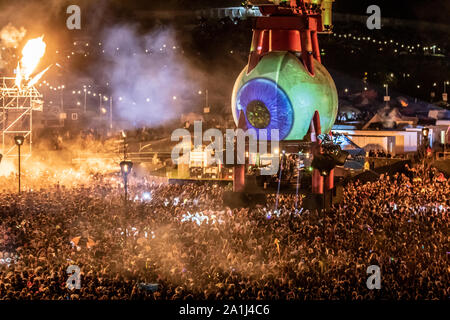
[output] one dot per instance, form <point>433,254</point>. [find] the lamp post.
<point>124,136</point>
<point>387,98</point>
<point>125,168</point>
<point>19,140</point>
<point>444,94</point>
<point>62,97</point>
<point>425,133</point>
<point>84,99</point>
<point>100,102</point>
<point>110,113</point>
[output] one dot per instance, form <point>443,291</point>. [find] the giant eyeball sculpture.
<point>280,93</point>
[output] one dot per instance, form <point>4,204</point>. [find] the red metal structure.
<point>292,26</point>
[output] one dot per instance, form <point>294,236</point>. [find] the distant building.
<point>391,141</point>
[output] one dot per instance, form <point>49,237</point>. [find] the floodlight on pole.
<point>125,168</point>
<point>19,140</point>
<point>425,133</point>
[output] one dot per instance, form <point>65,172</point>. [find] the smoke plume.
<point>151,79</point>
<point>10,37</point>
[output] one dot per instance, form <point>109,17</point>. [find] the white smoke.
<point>151,79</point>
<point>7,167</point>
<point>10,37</point>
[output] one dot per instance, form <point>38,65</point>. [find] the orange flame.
<point>38,77</point>
<point>18,76</point>
<point>32,53</point>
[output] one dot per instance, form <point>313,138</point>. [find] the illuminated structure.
<point>284,85</point>
<point>19,98</point>
<point>281,94</point>
<point>16,115</point>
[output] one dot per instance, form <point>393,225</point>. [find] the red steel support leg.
<point>307,50</point>
<point>329,181</point>
<point>239,178</point>
<point>256,49</point>
<point>315,44</point>
<point>239,169</point>
<point>317,179</point>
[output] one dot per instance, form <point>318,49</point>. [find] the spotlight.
<point>147,196</point>
<point>19,140</point>
<point>125,167</point>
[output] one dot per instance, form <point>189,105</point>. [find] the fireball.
<point>32,53</point>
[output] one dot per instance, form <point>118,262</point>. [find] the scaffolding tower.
<point>16,116</point>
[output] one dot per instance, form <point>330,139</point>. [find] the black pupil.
<point>257,114</point>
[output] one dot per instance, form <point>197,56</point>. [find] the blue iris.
<point>267,106</point>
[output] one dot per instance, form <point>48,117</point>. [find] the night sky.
<point>426,10</point>
<point>429,10</point>
<point>206,44</point>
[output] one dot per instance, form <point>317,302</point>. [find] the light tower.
<point>16,115</point>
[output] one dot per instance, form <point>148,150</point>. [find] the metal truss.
<point>16,116</point>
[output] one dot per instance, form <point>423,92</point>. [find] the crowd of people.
<point>379,154</point>
<point>170,242</point>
